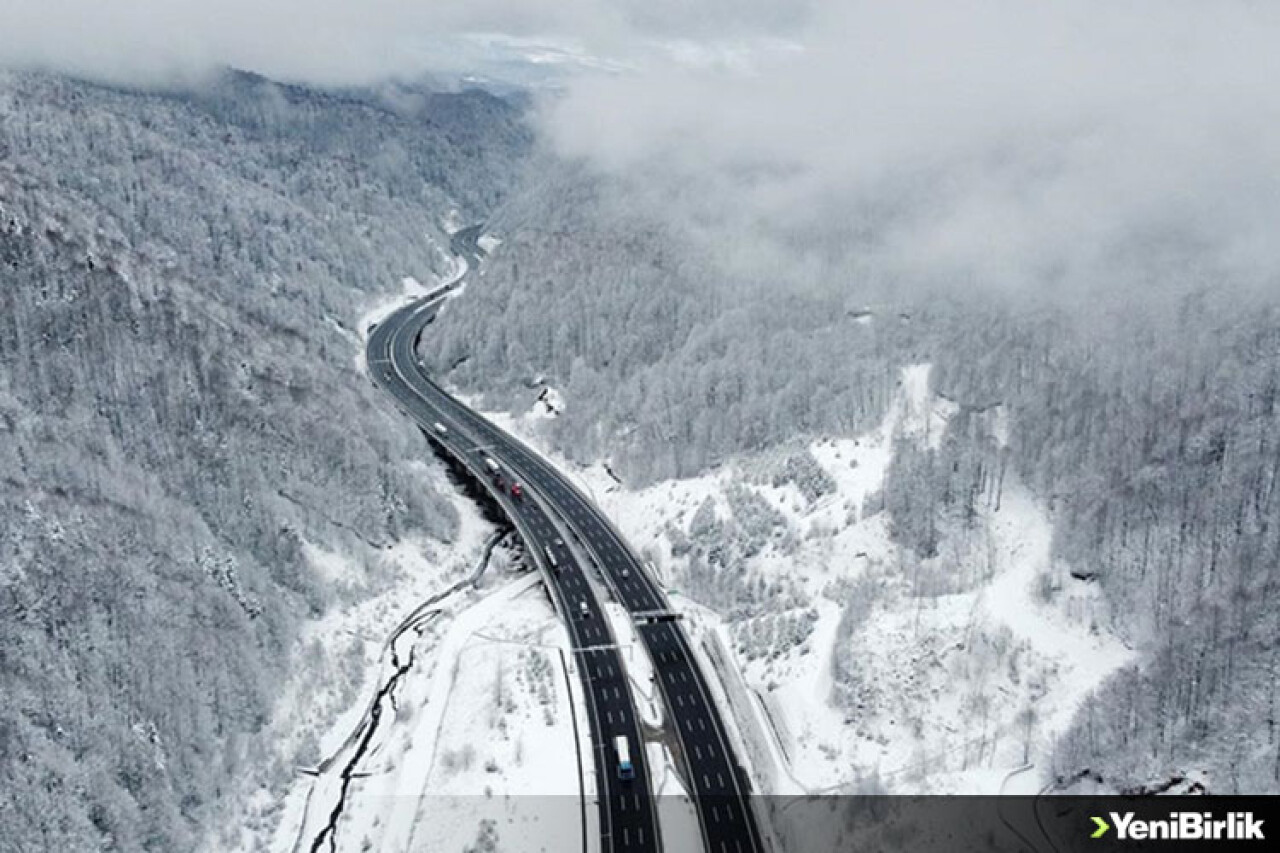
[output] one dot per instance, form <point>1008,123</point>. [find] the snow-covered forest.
<point>812,455</point>
<point>1144,417</point>
<point>671,367</point>
<point>181,416</point>
<point>1154,433</point>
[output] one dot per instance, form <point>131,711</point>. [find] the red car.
<point>516,491</point>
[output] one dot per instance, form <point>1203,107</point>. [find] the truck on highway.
<point>551,558</point>
<point>495,470</point>
<point>625,771</point>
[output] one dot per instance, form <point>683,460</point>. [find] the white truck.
<point>625,771</point>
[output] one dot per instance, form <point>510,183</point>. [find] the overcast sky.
<point>345,41</point>
<point>1003,139</point>
<point>995,140</point>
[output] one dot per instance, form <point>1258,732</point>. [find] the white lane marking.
<point>715,814</point>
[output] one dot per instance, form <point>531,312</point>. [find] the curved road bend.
<point>715,776</point>
<point>628,820</point>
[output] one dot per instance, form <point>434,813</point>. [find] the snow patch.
<point>452,222</point>
<point>550,403</point>
<point>335,568</point>
<point>338,660</point>
<point>677,817</point>
<point>411,289</point>
<point>918,413</point>
<point>485,723</point>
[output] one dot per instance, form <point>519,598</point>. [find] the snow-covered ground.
<point>958,690</point>
<point>677,818</point>
<point>467,648</point>
<point>453,221</point>
<point>339,661</point>
<point>478,741</point>
<point>482,743</point>
<point>550,403</point>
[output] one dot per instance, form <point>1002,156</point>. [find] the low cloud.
<point>341,41</point>
<point>993,140</point>
<point>1001,141</point>
<point>318,41</point>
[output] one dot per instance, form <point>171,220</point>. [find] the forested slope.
<point>1154,432</point>
<point>1143,409</point>
<point>180,411</point>
<point>668,365</point>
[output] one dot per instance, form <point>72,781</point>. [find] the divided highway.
<point>551,504</point>
<point>627,817</point>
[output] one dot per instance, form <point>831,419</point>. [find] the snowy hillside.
<point>871,669</point>
<point>187,447</point>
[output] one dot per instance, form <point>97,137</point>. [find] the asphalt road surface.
<point>552,505</point>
